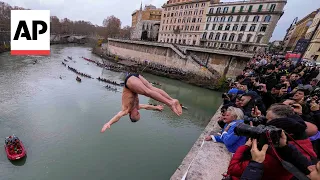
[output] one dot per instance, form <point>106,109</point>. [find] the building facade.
<point>299,31</point>
<point>150,13</point>
<point>313,51</point>
<point>146,23</point>
<point>182,21</point>
<point>242,25</point>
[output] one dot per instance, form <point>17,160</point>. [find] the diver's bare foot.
<point>178,106</point>
<point>173,108</point>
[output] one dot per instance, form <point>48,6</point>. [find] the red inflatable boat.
<point>14,148</point>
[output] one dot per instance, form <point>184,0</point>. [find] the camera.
<point>260,133</point>
<point>255,120</point>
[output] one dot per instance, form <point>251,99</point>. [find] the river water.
<point>59,122</point>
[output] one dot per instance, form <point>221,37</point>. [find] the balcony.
<point>245,13</point>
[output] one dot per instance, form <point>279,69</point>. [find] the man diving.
<point>136,84</point>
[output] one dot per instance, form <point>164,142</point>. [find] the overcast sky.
<point>96,10</point>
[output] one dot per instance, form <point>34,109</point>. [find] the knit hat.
<point>293,125</point>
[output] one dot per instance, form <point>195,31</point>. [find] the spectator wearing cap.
<point>249,100</point>
<point>270,78</point>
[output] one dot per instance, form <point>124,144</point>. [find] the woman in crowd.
<point>232,117</point>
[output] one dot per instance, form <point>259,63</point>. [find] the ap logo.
<point>30,32</point>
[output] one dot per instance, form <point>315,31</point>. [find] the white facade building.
<point>243,25</point>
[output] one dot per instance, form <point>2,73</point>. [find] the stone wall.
<point>206,162</point>
<point>225,63</point>
<point>162,55</point>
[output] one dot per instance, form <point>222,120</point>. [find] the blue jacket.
<point>229,138</point>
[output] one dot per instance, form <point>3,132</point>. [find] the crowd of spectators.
<point>270,121</point>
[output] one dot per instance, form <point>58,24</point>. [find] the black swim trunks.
<point>125,81</point>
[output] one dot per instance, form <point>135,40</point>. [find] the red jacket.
<point>272,166</point>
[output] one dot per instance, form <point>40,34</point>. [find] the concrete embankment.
<point>206,162</point>
<point>190,78</point>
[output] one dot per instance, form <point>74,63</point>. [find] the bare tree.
<point>112,26</point>
<point>125,32</point>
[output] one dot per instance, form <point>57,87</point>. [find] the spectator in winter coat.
<point>232,118</point>
<point>280,116</point>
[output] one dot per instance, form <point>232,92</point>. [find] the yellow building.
<point>300,30</point>
<point>313,51</point>
<point>150,12</point>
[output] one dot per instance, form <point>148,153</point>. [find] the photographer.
<point>288,152</point>
<point>280,116</point>
<point>232,117</point>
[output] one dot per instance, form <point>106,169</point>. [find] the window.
<point>190,12</point>
<point>164,15</point>
<point>217,36</point>
<point>186,7</point>
<point>204,35</point>
<point>191,28</point>
<point>260,8</point>
<point>263,28</point>
<point>243,27</point>
<point>183,20</point>
<point>249,37</point>
<point>230,18</point>
<point>250,8</point>
<point>181,7</point>
<point>203,4</point>
<point>233,9</point>
<point>169,28</point>
<point>222,19</point>
<point>197,5</point>
<point>256,18</point>
<point>175,20</point>
<point>218,10</point>
<point>267,18</point>
<point>259,38</point>
<point>220,27</point>
<point>199,19</point>
<point>187,28</point>
<point>225,10</point>
<point>211,35</point>
<point>213,27</point>
<point>240,37</point>
<point>196,12</point>
<point>227,28</point>
<point>211,10</point>
<point>252,28</point>
<point>164,21</point>
<point>215,19</point>
<point>272,7</point>
<point>194,20</point>
<point>207,26</point>
<point>197,28</point>
<point>231,38</point>
<point>235,27</point>
<point>238,18</point>
<point>241,8</point>
<point>201,12</point>
<point>224,36</point>
<point>246,19</point>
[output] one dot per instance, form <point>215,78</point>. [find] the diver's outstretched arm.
<point>115,119</point>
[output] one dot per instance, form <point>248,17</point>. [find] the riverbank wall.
<point>206,160</point>
<point>198,79</point>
